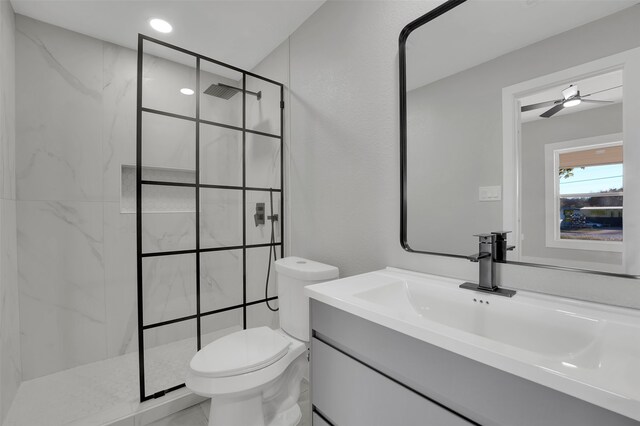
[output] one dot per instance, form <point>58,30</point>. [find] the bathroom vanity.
<point>394,347</point>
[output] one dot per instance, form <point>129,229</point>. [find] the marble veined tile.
<point>169,282</point>
<point>169,287</point>
<point>7,102</point>
<point>220,279</point>
<point>220,155</point>
<point>167,231</point>
<point>257,266</point>
<point>61,276</point>
<point>10,361</point>
<point>58,113</point>
<point>168,142</point>
<point>119,115</point>
<point>259,315</point>
<point>263,161</point>
<point>217,325</point>
<point>220,218</point>
<point>165,72</point>
<point>120,280</point>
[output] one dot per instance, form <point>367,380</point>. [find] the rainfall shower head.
<point>226,92</point>
<point>222,91</point>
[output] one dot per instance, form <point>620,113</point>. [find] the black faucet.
<point>501,246</point>
<point>492,248</point>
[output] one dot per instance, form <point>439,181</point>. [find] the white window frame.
<point>552,192</point>
<point>629,62</point>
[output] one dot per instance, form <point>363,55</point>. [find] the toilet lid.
<point>240,352</point>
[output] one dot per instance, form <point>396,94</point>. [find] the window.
<point>586,209</point>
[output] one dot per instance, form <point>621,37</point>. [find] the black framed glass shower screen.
<point>209,147</point>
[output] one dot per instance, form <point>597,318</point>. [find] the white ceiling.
<point>481,30</point>
<point>238,32</point>
<point>606,84</point>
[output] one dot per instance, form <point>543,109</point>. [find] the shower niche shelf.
<point>158,198</point>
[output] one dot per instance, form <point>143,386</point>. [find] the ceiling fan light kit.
<point>572,102</point>
<point>570,92</point>
<point>570,97</point>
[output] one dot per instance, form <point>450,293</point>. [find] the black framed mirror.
<point>519,116</point>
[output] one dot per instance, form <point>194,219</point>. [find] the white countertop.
<point>587,350</point>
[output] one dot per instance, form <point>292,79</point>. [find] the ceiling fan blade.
<point>603,90</point>
<point>595,101</point>
<point>550,112</point>
<point>526,108</point>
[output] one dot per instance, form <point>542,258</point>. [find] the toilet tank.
<point>292,275</point>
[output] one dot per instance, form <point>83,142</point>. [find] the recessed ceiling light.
<point>187,91</point>
<point>160,25</point>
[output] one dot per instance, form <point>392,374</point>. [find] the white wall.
<point>10,363</point>
<point>344,135</point>
<point>345,154</point>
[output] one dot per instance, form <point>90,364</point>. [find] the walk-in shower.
<point>204,161</point>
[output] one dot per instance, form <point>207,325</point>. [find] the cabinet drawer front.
<point>349,393</point>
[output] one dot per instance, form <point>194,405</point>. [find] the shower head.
<point>226,92</point>
<point>222,91</point>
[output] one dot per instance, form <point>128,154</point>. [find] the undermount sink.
<point>587,350</point>
<point>540,329</point>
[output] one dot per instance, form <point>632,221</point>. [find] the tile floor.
<point>198,415</point>
<point>105,392</point>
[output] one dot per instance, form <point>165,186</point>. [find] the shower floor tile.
<point>106,392</point>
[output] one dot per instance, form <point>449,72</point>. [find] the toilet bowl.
<point>253,376</point>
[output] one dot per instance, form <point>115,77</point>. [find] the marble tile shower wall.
<point>10,362</point>
<point>76,121</point>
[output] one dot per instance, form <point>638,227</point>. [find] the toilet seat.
<point>234,385</point>
<point>240,352</point>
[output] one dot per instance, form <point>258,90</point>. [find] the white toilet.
<point>253,376</point>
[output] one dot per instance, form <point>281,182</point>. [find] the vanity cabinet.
<point>350,393</point>
<point>366,374</point>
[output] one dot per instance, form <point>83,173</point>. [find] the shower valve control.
<point>258,217</point>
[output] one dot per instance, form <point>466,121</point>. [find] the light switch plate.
<point>490,193</point>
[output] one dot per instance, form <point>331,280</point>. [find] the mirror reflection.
<point>524,122</point>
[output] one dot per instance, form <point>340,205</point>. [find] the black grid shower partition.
<point>209,151</point>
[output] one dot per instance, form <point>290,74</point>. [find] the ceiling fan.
<point>570,97</point>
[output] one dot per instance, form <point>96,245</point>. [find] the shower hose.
<point>272,249</point>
